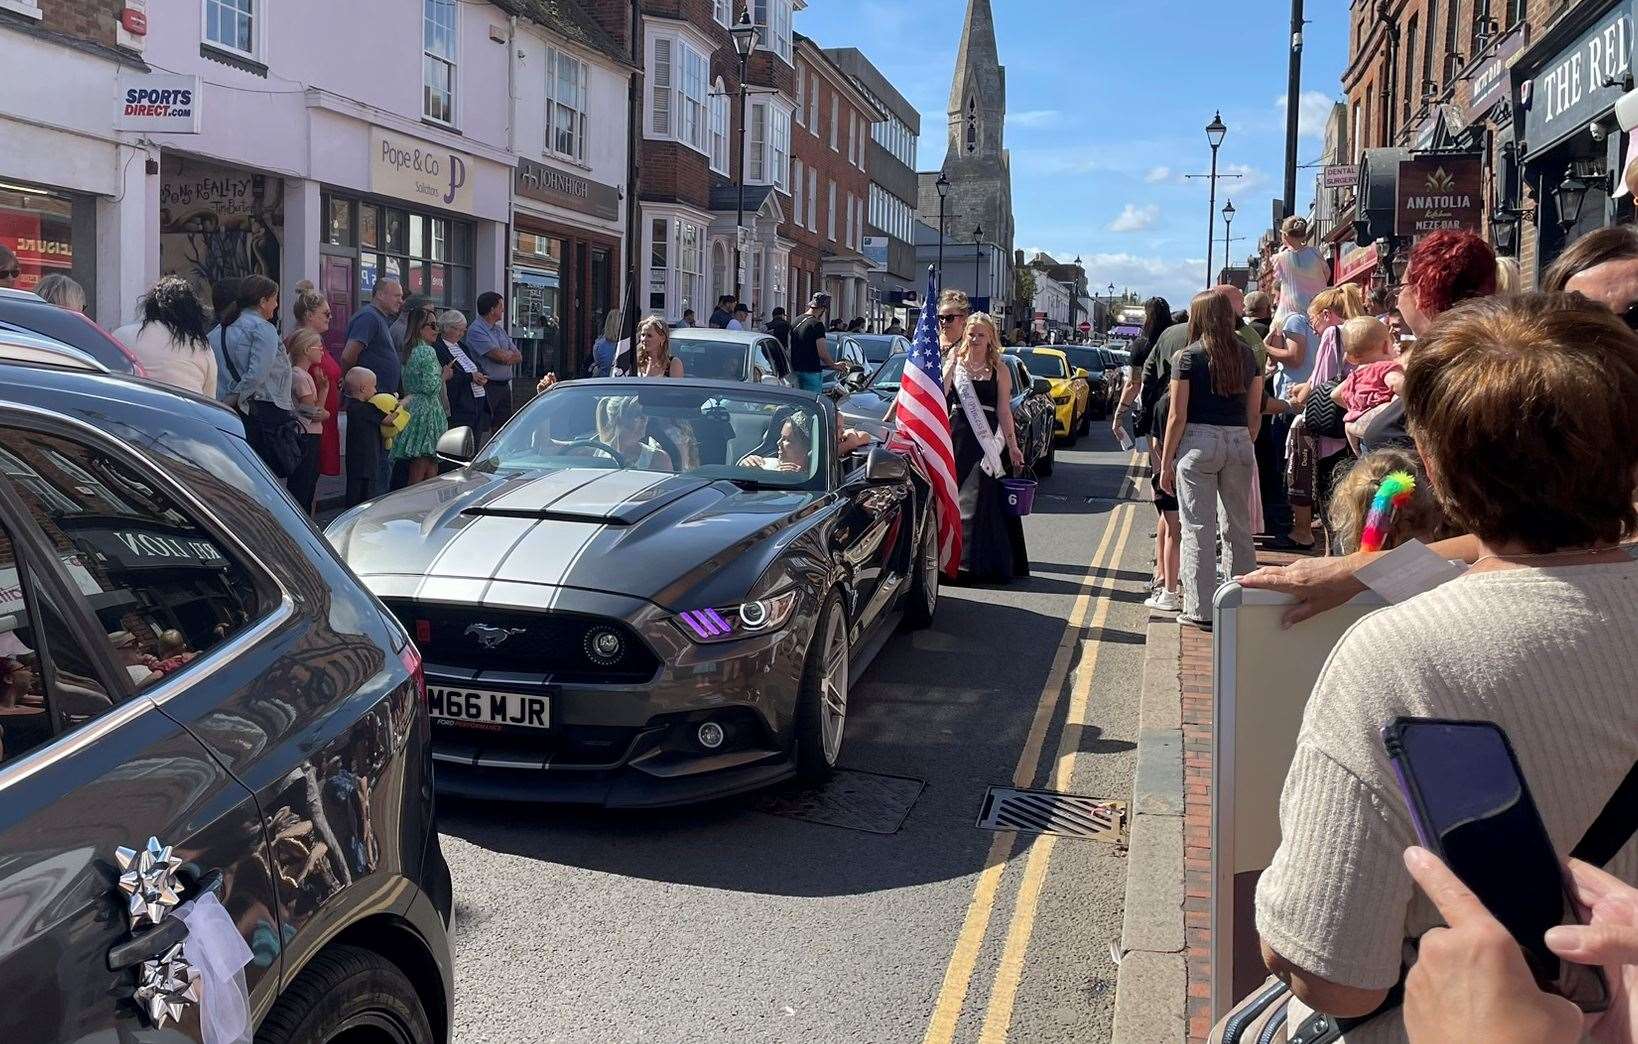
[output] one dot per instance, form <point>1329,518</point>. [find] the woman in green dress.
<point>423,399</point>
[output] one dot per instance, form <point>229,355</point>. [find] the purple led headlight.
<point>707,624</point>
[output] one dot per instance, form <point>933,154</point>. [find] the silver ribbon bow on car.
<point>148,879</point>
<point>166,985</point>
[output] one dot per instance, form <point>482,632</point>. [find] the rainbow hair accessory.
<point>1393,494</point>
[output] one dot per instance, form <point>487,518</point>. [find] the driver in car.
<point>622,425</point>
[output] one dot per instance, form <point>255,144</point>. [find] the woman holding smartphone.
<point>1539,637</point>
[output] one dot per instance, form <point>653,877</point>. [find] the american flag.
<point>924,428</point>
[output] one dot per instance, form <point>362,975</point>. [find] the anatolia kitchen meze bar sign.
<point>1440,191</point>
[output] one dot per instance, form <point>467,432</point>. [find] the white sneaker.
<point>1165,602</point>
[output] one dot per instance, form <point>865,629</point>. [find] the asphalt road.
<point>728,923</point>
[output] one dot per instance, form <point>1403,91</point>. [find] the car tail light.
<point>423,631</point>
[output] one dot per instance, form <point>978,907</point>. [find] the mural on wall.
<point>217,223</point>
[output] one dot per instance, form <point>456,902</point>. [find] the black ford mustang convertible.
<point>648,592</point>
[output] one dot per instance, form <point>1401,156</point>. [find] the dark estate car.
<point>1102,372</point>
<point>1032,408</point>
<point>183,658</point>
<point>876,348</point>
<point>648,592</point>
<point>21,310</point>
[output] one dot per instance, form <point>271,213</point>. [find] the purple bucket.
<point>1020,494</point>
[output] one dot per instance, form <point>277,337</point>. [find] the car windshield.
<point>876,349</point>
<point>710,359</point>
<point>889,375</point>
<point>662,426</point>
<point>1085,358</point>
<point>1042,364</point>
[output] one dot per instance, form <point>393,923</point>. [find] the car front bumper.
<point>630,743</point>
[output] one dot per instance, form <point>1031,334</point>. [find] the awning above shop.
<point>1126,331</point>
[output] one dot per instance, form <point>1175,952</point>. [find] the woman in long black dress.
<point>992,538</point>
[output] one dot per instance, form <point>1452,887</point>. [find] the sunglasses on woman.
<point>946,318</point>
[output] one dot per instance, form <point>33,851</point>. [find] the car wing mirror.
<point>1080,371</point>
<point>884,467</point>
<point>1042,385</point>
<point>458,445</point>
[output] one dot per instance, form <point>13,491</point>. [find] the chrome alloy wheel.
<point>833,686</point>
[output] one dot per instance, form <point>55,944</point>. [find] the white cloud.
<point>1033,118</point>
<point>1249,180</point>
<point>1135,218</point>
<point>1176,279</point>
<point>1313,109</point>
<point>1156,175</point>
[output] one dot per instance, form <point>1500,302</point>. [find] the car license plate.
<point>489,708</point>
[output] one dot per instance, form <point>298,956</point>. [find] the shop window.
<point>690,266</point>
<point>38,227</point>
<point>163,588</point>
<point>369,218</point>
<point>721,282</point>
<point>438,46</point>
<point>659,265</point>
<point>338,226</point>
<point>232,25</point>
<point>565,105</point>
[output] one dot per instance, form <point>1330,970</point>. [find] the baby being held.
<point>1378,372</point>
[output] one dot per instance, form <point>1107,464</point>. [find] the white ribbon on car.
<point>215,947</point>
<point>987,438</point>
<point>470,368</point>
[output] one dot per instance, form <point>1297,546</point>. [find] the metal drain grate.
<point>1046,812</point>
<point>853,800</point>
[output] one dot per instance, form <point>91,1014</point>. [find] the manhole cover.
<point>1046,812</point>
<point>867,801</point>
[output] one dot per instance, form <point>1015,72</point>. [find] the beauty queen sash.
<point>980,424</point>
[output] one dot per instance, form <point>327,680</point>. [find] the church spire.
<point>978,102</point>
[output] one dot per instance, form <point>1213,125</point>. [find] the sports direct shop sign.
<point>420,171</point>
<point>158,103</point>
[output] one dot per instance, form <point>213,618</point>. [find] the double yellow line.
<point>1090,610</point>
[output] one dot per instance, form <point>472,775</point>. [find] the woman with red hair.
<point>1445,269</point>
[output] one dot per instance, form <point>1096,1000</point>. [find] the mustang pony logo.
<point>489,637</point>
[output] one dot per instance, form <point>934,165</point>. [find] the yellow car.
<point>1071,390</point>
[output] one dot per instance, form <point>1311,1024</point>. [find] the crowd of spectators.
<point>1509,419</point>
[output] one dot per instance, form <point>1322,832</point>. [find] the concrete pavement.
<point>725,923</point>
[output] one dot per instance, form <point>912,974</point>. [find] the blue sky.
<point>1107,105</point>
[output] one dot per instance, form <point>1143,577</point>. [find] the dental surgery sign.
<point>1570,88</point>
<point>158,103</point>
<point>419,170</point>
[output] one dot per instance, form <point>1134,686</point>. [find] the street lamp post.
<point>744,34</point>
<point>1216,130</point>
<point>943,184</point>
<point>1075,298</point>
<point>1109,311</point>
<point>1228,220</point>
<point>978,246</point>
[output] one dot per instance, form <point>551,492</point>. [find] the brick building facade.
<point>1512,80</point>
<point>831,148</point>
<point>690,160</point>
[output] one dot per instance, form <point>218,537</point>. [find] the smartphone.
<point>1472,808</point>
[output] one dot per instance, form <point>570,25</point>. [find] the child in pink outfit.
<point>1377,374</point>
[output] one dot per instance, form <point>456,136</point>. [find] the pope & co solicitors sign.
<point>1440,191</point>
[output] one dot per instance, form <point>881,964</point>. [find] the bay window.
<point>767,158</point>
<point>676,265</point>
<point>773,21</point>
<point>679,109</point>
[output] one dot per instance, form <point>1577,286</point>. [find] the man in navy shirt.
<point>369,344</point>
<point>496,354</point>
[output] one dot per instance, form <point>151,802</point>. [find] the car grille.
<point>544,643</point>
